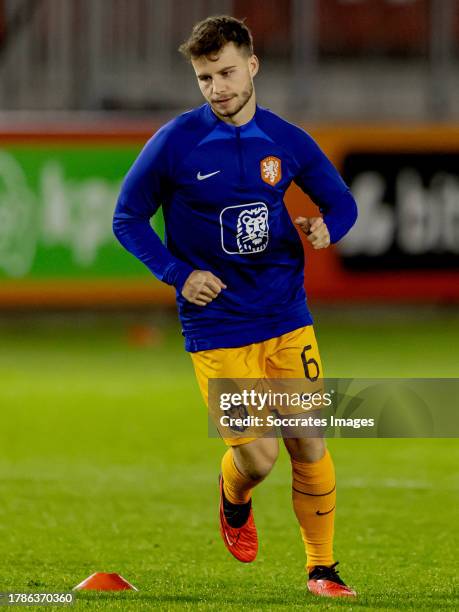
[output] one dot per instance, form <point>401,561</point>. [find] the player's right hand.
<point>201,287</point>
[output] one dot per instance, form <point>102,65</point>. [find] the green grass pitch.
<point>105,465</point>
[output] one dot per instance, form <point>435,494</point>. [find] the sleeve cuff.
<point>176,274</point>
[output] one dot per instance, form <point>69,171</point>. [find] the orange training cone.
<point>101,581</point>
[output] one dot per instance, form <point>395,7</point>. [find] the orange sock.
<point>236,486</point>
<point>314,500</point>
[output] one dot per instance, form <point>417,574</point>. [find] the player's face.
<point>226,80</point>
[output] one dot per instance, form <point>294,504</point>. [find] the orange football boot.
<point>325,581</point>
<point>242,542</point>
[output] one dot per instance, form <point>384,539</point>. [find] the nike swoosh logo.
<point>232,543</point>
<point>319,513</point>
<point>202,177</point>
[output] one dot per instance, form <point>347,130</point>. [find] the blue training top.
<point>222,188</point>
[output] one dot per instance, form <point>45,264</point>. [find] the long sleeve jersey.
<point>222,188</point>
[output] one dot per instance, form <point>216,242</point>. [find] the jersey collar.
<point>213,120</point>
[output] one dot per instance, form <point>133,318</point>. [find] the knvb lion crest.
<point>245,228</point>
<point>252,230</point>
<point>271,171</point>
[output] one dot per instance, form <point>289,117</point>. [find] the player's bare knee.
<point>305,449</point>
<point>256,459</point>
<point>259,469</point>
<point>265,462</point>
<point>270,452</point>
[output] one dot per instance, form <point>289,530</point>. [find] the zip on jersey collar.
<point>212,119</point>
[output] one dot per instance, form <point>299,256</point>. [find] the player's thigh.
<point>237,363</point>
<point>231,363</point>
<point>294,355</point>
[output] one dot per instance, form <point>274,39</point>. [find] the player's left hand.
<point>316,231</point>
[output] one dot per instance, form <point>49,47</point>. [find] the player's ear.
<point>254,65</point>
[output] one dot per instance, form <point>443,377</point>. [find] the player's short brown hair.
<point>212,34</point>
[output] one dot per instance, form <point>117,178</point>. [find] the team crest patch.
<point>244,228</point>
<point>271,171</point>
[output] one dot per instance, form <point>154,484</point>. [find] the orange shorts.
<point>292,355</point>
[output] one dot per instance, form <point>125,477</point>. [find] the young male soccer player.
<point>220,173</point>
